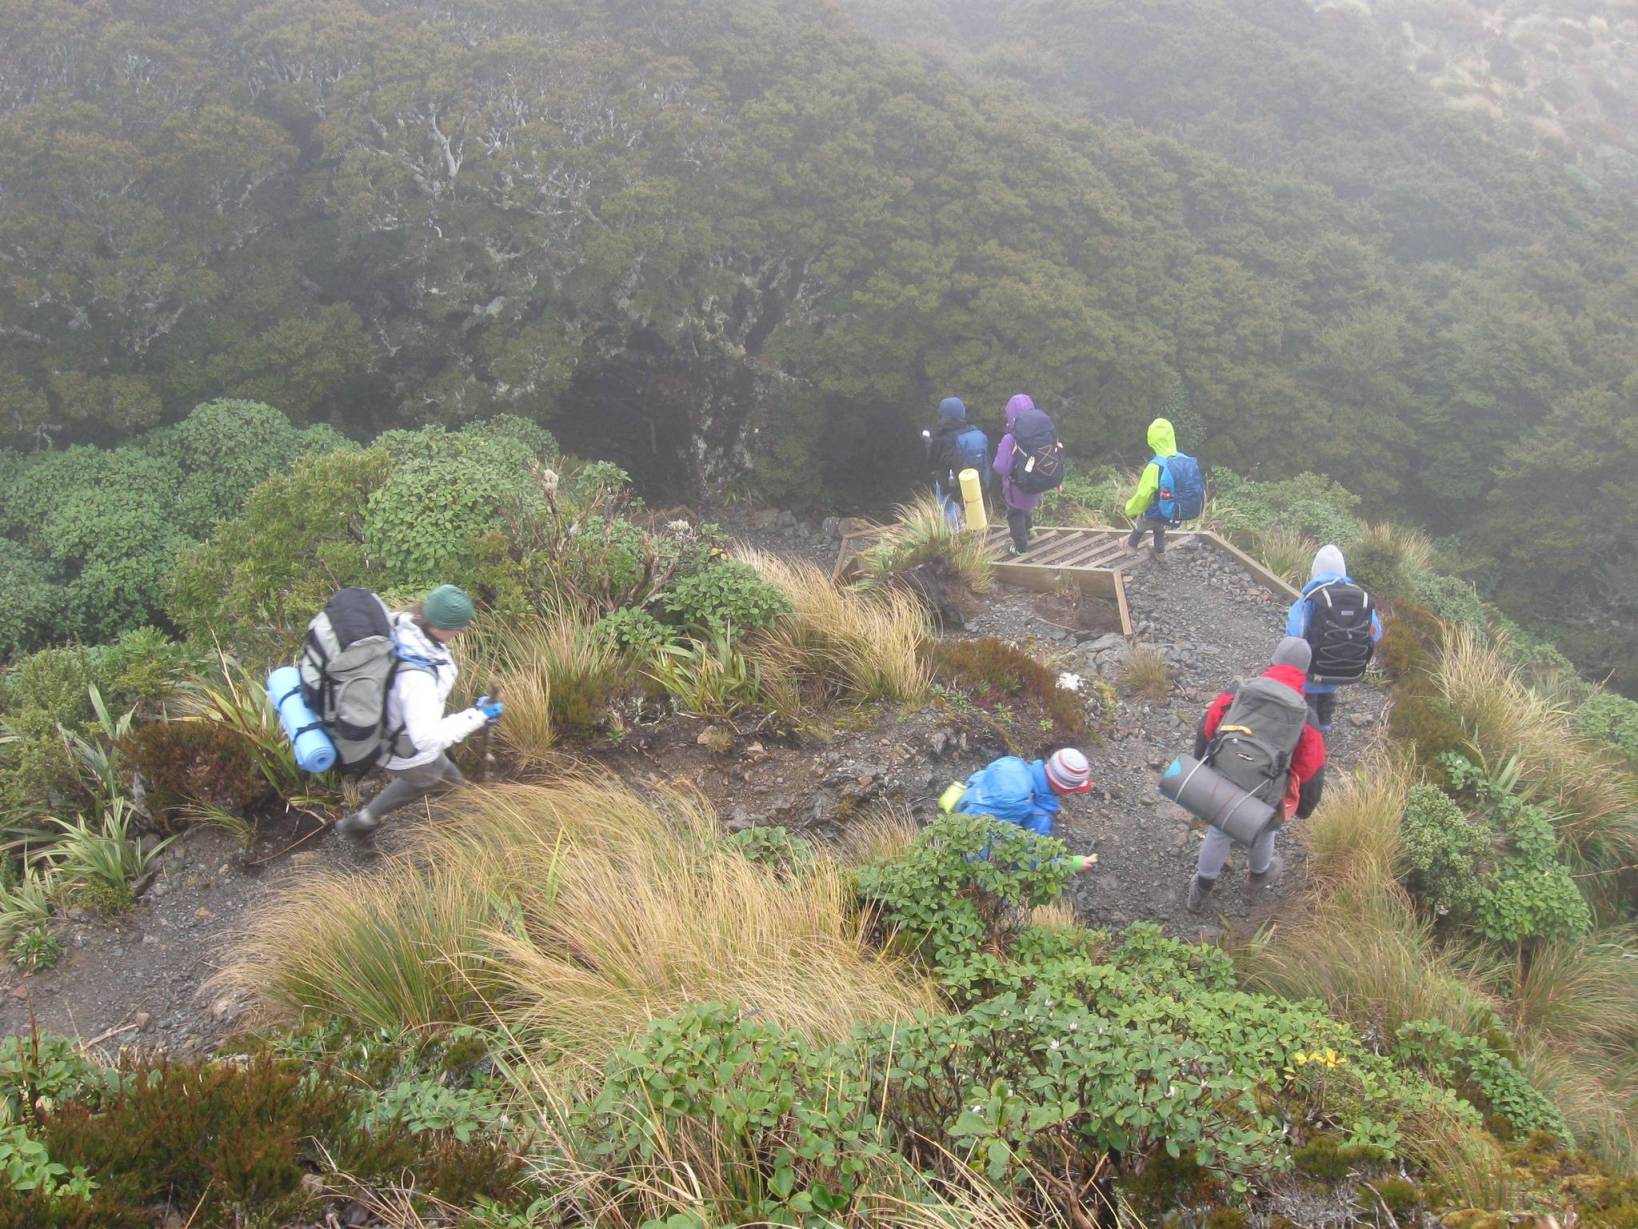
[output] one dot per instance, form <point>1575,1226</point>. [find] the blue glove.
<point>490,707</point>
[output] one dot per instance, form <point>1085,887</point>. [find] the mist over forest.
<point>743,247</point>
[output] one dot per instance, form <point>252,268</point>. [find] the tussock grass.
<point>556,674</point>
<point>1146,675</point>
<point>1358,945</point>
<point>1595,799</point>
<point>399,949</point>
<point>1597,1094</point>
<point>838,642</point>
<point>568,916</point>
<point>922,534</point>
<point>1357,828</point>
<point>1466,1166</point>
<point>882,833</point>
<point>1413,547</point>
<point>1285,552</point>
<point>1581,991</point>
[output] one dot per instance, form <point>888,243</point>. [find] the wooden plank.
<point>1055,553</point>
<point>1102,554</point>
<point>1121,606</point>
<point>1259,573</point>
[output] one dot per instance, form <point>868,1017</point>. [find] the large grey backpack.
<point>1254,741</point>
<point>349,660</point>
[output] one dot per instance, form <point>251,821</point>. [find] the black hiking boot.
<point>358,830</point>
<point>1199,889</point>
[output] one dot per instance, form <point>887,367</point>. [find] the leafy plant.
<point>25,902</point>
<point>726,598</point>
<point>1479,1074</point>
<point>635,630</point>
<point>100,862</point>
<point>36,948</point>
<point>706,678</point>
<point>775,846</point>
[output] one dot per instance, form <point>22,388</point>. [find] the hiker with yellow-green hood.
<point>1171,489</point>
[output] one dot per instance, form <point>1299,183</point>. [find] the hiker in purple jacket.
<point>1020,504</point>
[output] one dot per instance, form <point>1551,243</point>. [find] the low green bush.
<point>726,597</point>
<point>1613,718</point>
<point>1481,1076</point>
<point>1494,865</point>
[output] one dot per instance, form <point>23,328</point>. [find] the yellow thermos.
<point>972,495</point>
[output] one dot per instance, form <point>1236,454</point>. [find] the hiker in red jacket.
<point>1305,778</point>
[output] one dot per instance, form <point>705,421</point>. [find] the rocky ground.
<point>144,978</point>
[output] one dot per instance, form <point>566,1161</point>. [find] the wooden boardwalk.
<point>1092,560</point>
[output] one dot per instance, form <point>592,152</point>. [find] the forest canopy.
<point>745,245</point>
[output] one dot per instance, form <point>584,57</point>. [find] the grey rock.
<point>1106,642</point>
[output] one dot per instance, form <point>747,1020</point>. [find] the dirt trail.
<point>144,977</point>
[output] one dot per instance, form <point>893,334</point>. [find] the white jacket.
<point>418,696</point>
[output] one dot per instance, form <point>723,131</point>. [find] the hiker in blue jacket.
<point>1330,569</point>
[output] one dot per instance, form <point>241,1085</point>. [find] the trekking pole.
<point>484,757</point>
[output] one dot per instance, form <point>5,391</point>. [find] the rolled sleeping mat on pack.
<point>314,750</point>
<point>1206,794</point>
<point>972,496</point>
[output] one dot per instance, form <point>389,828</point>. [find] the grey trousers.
<point>1214,852</point>
<point>411,785</point>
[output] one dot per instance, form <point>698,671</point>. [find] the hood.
<point>952,407</point>
<point>1289,675</point>
<point>1328,561</point>
<point>1162,439</point>
<point>413,642</point>
<point>1016,405</point>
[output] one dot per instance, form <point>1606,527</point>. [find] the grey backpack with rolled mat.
<point>1255,739</point>
<point>349,660</point>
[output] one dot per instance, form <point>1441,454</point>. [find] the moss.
<point>1227,1218</point>
<point>1326,1158</point>
<point>1167,1182</point>
<point>1398,1195</point>
<point>1002,680</point>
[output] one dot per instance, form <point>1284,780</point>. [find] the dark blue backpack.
<point>972,448</point>
<point>1182,493</point>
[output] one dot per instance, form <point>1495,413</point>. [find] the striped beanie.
<point>1069,772</point>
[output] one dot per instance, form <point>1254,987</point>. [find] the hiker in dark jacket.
<point>1305,779</point>
<point>952,446</point>
<point>1021,505</point>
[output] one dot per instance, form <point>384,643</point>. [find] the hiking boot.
<point>1255,883</point>
<point>359,828</point>
<point>1199,889</point>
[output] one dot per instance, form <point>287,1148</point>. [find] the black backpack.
<point>1037,456</point>
<point>1339,632</point>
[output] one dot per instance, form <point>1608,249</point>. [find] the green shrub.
<point>966,880</point>
<point>605,562</point>
<point>1496,869</point>
<point>36,948</point>
<point>775,846</point>
<point>1614,718</point>
<point>635,630</point>
<point>1443,851</point>
<point>727,597</point>
<point>1307,504</point>
<point>1470,1067</point>
<point>1453,600</point>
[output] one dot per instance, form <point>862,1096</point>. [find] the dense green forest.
<point>743,245</point>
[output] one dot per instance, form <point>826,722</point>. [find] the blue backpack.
<point>1182,493</point>
<point>972,447</point>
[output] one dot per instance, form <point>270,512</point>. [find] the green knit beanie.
<point>447,608</point>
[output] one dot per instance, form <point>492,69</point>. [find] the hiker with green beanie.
<point>415,709</point>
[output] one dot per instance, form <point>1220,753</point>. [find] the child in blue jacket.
<point>1023,792</point>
